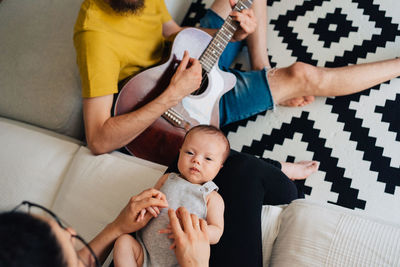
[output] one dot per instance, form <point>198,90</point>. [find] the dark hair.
<point>211,130</point>
<point>127,7</point>
<point>28,241</point>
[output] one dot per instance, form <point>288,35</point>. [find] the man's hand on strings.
<point>246,20</point>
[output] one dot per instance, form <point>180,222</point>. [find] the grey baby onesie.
<point>179,192</point>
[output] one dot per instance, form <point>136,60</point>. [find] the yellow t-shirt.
<point>112,46</point>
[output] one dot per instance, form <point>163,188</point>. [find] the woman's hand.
<point>192,247</point>
<point>127,220</point>
<point>154,210</point>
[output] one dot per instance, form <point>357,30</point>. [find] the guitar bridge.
<point>173,117</point>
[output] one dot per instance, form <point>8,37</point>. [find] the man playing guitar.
<point>117,38</point>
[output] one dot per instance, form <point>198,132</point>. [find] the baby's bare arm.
<point>161,181</point>
<point>215,217</point>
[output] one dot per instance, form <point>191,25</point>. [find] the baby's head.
<point>203,152</point>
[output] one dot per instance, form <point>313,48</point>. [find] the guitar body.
<point>161,141</point>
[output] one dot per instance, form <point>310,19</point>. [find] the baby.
<point>204,150</point>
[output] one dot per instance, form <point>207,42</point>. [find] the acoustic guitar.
<point>161,141</point>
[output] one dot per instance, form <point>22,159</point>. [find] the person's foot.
<point>298,101</point>
<point>299,170</point>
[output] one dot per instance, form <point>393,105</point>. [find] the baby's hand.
<point>168,230</point>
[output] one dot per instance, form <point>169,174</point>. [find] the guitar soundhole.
<point>203,85</point>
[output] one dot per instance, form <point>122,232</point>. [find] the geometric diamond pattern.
<point>356,138</point>
<point>333,27</point>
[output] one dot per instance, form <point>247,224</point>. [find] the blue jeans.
<point>251,94</point>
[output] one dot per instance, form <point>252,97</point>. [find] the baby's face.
<point>201,157</point>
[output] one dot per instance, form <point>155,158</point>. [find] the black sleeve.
<point>246,183</point>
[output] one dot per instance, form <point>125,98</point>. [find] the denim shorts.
<point>251,94</point>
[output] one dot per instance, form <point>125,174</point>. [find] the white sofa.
<point>43,157</point>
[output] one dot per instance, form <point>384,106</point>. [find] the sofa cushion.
<point>39,78</point>
<point>269,228</point>
<point>96,188</point>
<point>313,234</point>
<point>33,163</point>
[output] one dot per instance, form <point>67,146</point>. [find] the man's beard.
<point>127,6</point>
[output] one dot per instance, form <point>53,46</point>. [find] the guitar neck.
<point>221,39</point>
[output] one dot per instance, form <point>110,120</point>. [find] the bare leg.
<point>301,81</point>
<point>127,252</point>
<point>299,170</point>
<point>222,8</point>
<point>257,41</point>
<point>297,84</point>
<point>298,101</point>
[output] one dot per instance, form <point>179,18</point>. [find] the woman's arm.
<point>154,210</point>
<point>125,222</point>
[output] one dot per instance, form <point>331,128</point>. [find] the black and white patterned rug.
<point>356,138</point>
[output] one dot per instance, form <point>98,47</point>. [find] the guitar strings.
<point>224,26</point>
<point>203,78</point>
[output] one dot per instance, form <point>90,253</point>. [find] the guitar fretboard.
<point>217,45</point>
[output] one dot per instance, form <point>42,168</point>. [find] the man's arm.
<point>170,29</point>
<point>105,133</point>
<point>246,20</point>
